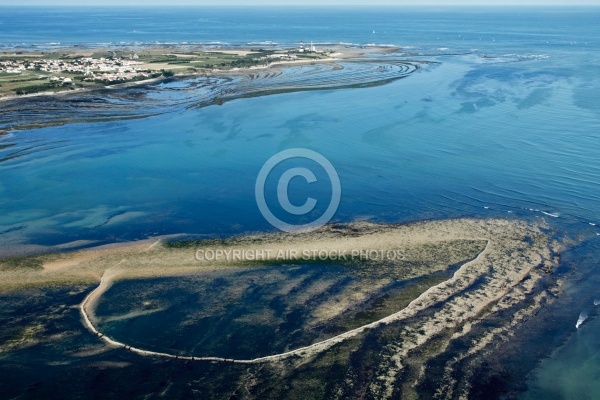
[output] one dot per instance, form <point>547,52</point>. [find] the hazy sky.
<point>295,2</point>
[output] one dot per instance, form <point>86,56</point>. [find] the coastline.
<point>146,258</point>
<point>337,53</point>
<point>515,259</point>
<point>341,59</point>
<point>495,123</point>
<point>89,303</point>
<point>84,90</point>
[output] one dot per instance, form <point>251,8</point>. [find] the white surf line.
<point>299,352</point>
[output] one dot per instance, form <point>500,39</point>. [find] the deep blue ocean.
<point>505,121</point>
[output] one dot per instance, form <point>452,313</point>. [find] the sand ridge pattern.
<point>347,68</point>
<point>513,252</point>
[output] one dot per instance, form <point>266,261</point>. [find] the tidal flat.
<point>463,114</point>
<point>171,77</point>
<point>372,322</point>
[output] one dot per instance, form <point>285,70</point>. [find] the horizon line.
<point>323,5</point>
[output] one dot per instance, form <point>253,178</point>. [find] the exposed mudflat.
<point>291,300</point>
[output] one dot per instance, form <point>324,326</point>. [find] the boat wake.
<point>583,316</point>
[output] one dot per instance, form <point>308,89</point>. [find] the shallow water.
<point>422,146</point>
<point>504,123</point>
<point>573,372</point>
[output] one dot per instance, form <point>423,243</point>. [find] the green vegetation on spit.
<point>23,73</point>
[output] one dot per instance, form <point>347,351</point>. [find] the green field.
<point>156,61</point>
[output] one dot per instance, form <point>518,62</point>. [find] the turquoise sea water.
<point>503,121</point>
<point>572,372</point>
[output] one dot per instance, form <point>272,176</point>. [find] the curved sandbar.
<point>513,253</point>
<point>105,283</point>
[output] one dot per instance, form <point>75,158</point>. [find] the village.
<point>91,69</point>
<point>28,73</point>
